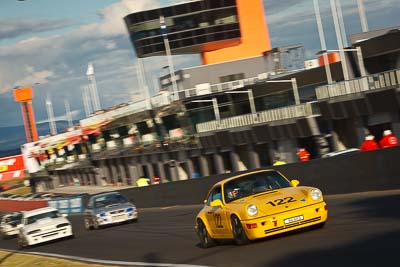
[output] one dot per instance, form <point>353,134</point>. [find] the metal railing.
<point>215,88</point>
<point>373,82</point>
<point>285,113</point>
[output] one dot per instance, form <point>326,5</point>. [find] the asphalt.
<point>363,229</point>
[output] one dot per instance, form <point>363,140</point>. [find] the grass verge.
<point>20,190</point>
<point>11,259</point>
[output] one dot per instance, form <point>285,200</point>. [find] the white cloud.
<point>113,15</point>
<point>12,28</point>
<point>74,115</point>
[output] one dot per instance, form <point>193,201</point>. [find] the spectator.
<point>303,154</point>
<point>369,144</point>
<point>143,182</point>
<point>278,161</point>
<point>156,179</point>
<point>388,139</point>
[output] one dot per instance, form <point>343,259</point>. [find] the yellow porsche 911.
<point>258,204</point>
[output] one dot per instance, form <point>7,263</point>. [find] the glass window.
<point>110,199</point>
<point>232,77</point>
<point>253,184</point>
<point>33,219</point>
<point>215,194</point>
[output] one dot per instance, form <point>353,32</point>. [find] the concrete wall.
<point>251,67</point>
<point>366,171</point>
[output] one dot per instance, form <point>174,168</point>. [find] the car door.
<point>216,216</point>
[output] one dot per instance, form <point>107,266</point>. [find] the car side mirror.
<point>216,203</point>
<point>64,215</point>
<point>295,183</point>
<point>19,226</point>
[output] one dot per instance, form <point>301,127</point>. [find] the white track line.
<point>170,207</point>
<point>89,260</point>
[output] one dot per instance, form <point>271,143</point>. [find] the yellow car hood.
<point>277,201</point>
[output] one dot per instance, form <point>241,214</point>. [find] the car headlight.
<point>130,209</point>
<point>252,210</point>
<point>33,232</point>
<point>316,194</point>
<point>62,225</point>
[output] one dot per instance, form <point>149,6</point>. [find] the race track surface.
<point>363,229</point>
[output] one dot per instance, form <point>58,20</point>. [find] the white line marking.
<point>83,259</point>
<point>170,207</point>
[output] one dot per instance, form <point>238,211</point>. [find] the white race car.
<point>42,225</point>
<point>9,223</point>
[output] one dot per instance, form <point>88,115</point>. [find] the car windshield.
<point>34,218</point>
<point>253,184</point>
<point>108,200</point>
<point>13,219</point>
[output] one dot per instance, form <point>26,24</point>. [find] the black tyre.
<point>205,240</point>
<point>317,226</point>
<point>96,225</point>
<point>87,224</point>
<point>239,235</point>
<point>22,243</point>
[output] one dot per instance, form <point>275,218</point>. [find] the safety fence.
<point>347,173</point>
<point>285,113</point>
<point>71,205</point>
<point>382,80</point>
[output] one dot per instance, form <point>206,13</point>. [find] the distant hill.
<point>11,138</point>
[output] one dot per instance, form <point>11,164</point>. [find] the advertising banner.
<point>11,168</point>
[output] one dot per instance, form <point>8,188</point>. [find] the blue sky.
<point>51,41</point>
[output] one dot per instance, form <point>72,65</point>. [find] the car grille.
<point>117,211</point>
<point>292,225</point>
<point>51,233</point>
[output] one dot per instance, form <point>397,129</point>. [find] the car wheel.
<point>239,235</point>
<point>22,242</point>
<point>96,225</point>
<point>87,224</point>
<point>205,240</point>
<point>317,226</point>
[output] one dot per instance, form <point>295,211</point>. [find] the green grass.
<point>11,259</point>
<point>20,190</point>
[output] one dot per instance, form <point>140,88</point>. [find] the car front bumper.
<point>118,218</point>
<point>8,231</point>
<point>48,235</point>
<point>286,221</point>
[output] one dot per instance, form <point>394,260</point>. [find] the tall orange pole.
<point>24,96</point>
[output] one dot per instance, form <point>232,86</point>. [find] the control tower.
<point>219,30</point>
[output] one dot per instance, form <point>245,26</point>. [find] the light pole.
<point>215,106</point>
<point>50,115</point>
<point>337,23</point>
<point>93,87</point>
<point>294,87</point>
<point>323,42</point>
<point>249,92</point>
<point>363,17</point>
<point>360,60</point>
<point>164,34</point>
